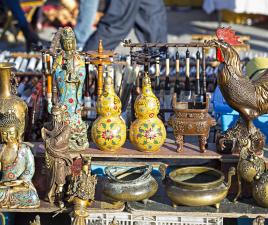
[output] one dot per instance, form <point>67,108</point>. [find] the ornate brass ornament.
<point>248,97</point>
<point>191,118</point>
<point>56,136</point>
<point>249,167</point>
<point>81,191</point>
<point>259,190</point>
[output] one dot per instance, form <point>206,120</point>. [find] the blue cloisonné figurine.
<point>69,73</point>
<point>17,166</point>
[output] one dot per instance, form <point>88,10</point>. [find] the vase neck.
<point>5,89</point>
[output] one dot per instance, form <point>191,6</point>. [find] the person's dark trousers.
<point>147,17</point>
<point>18,13</point>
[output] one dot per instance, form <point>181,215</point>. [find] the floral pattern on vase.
<point>147,132</point>
<point>109,129</point>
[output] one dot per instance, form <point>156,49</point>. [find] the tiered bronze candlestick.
<point>100,57</point>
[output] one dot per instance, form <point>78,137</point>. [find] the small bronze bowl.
<point>197,186</point>
<point>130,184</point>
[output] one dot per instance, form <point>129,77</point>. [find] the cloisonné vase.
<point>109,129</point>
<point>147,132</point>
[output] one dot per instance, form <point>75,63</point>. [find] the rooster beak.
<point>214,43</point>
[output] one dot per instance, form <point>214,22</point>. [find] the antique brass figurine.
<point>191,118</point>
<point>69,75</point>
<point>16,164</point>
<point>36,221</point>
<point>196,186</point>
<point>130,184</point>
<point>8,99</point>
<point>109,129</point>
<point>147,132</point>
<point>81,192</point>
<point>249,98</point>
<point>58,160</point>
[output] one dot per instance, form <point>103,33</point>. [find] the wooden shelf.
<point>45,207</point>
<point>167,151</point>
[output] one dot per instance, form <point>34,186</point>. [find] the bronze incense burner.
<point>130,184</point>
<point>196,186</point>
<point>191,118</point>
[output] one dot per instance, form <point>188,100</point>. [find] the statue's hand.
<point>43,133</point>
<point>13,183</point>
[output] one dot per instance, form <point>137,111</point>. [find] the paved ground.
<point>181,24</point>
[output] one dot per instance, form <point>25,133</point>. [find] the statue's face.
<point>68,44</point>
<point>57,118</point>
<point>9,135</point>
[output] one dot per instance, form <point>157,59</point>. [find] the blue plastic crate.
<point>229,116</point>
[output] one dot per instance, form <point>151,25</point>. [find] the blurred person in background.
<point>30,36</point>
<point>85,21</point>
<point>147,17</point>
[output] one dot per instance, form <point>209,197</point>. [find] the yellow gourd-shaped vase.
<point>109,129</point>
<point>147,132</point>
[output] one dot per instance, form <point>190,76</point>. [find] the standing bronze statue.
<point>56,136</point>
<point>68,77</point>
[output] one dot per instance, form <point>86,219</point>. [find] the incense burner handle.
<point>230,174</point>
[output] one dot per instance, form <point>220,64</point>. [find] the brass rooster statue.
<point>249,98</point>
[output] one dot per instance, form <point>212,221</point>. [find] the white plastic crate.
<point>129,219</point>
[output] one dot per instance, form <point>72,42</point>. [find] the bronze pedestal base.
<point>239,137</point>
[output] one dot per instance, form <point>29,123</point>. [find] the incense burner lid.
<point>108,104</point>
<point>147,104</point>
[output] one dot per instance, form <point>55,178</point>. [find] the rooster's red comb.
<point>227,35</point>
